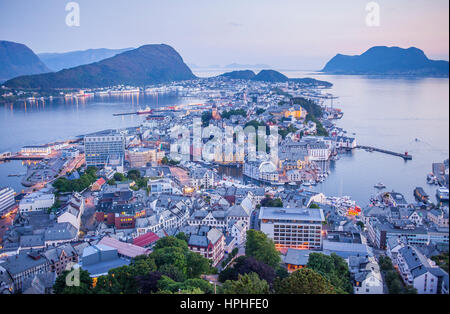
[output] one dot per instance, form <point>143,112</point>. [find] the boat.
<point>442,193</point>
<point>379,185</point>
<point>147,110</point>
<point>306,183</point>
<point>292,183</point>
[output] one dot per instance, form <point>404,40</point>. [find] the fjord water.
<point>388,113</point>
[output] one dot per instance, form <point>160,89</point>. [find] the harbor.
<point>405,156</point>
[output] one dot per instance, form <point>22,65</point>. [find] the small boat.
<point>306,183</point>
<point>420,194</point>
<point>292,183</point>
<point>379,185</point>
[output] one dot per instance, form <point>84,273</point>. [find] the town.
<point>132,210</point>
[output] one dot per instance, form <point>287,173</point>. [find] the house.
<point>97,185</point>
<point>296,259</point>
<point>366,275</point>
<point>73,211</point>
<point>416,271</point>
<point>209,242</point>
<point>202,178</point>
<point>239,231</point>
<point>60,257</point>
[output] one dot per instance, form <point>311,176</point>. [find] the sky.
<point>285,34</point>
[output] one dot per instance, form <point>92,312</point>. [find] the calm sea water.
<point>389,113</point>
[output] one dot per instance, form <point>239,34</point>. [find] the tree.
<point>119,177</point>
<point>304,281</point>
<point>360,224</point>
<point>148,283</point>
<point>85,286</point>
<point>249,264</point>
<point>262,248</point>
<point>173,272</point>
<point>171,242</point>
<point>174,256</point>
<point>182,236</point>
<point>269,202</point>
<point>314,205</point>
<point>246,284</point>
<point>196,265</point>
<point>334,268</point>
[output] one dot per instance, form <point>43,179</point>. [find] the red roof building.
<point>97,185</point>
<point>146,240</point>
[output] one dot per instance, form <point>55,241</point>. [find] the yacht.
<point>379,185</point>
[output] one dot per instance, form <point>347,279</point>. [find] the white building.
<point>6,198</point>
<point>299,228</point>
<point>73,211</point>
<point>37,201</point>
<point>202,178</point>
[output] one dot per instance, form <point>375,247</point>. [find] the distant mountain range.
<point>149,64</point>
<point>17,59</point>
<point>383,60</point>
<point>66,60</point>
<point>272,77</point>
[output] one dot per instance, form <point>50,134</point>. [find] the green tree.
<point>197,265</point>
<point>334,268</point>
<point>262,248</point>
<point>171,242</point>
<point>246,284</point>
<point>304,281</point>
<point>85,286</point>
<point>314,205</point>
<point>119,177</point>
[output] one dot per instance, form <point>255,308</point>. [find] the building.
<point>99,259</point>
<point>73,211</point>
<point>36,150</point>
<point>101,147</point>
<point>416,271</point>
<point>97,185</point>
<point>202,178</point>
<point>37,201</point>
<point>25,265</point>
<point>126,250</point>
<point>299,228</point>
<point>209,242</point>
<point>367,278</point>
<point>140,156</point>
<point>6,198</point>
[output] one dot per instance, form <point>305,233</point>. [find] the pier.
<point>405,156</point>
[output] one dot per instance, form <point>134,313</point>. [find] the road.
<point>6,222</point>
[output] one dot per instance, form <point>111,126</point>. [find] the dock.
<point>405,156</point>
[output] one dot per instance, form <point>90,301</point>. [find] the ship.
<point>379,185</point>
<point>442,193</point>
<point>147,110</point>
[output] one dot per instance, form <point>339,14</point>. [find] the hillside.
<point>149,64</point>
<point>17,59</point>
<point>239,75</point>
<point>66,60</point>
<point>387,61</point>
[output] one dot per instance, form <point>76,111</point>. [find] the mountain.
<point>66,60</point>
<point>271,76</point>
<point>383,60</point>
<point>17,59</point>
<point>239,75</point>
<point>149,64</point>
